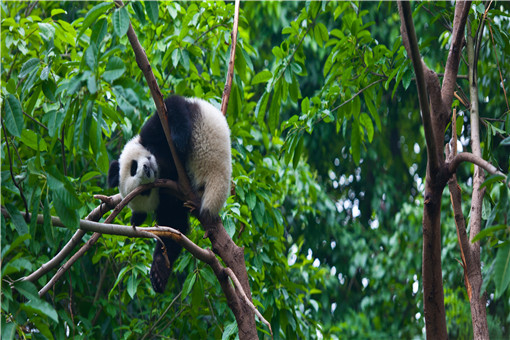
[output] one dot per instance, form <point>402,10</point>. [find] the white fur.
<point>209,164</point>
<point>133,150</point>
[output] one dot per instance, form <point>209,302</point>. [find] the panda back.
<point>209,163</point>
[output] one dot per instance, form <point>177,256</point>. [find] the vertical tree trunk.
<point>476,299</point>
<point>433,296</point>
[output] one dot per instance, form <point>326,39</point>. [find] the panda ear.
<point>114,174</point>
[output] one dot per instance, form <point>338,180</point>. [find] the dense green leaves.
<point>328,166</point>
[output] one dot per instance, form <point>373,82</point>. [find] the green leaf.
<point>35,304</point>
<point>176,55</point>
<point>16,266</point>
<point>260,109</point>
<point>277,51</point>
<point>65,199</point>
<point>54,120</point>
<point>120,21</point>
<point>45,72</point>
<point>139,12</point>
<point>8,248</point>
<point>99,32</point>
<point>261,77</point>
<point>93,14</point>
<point>40,307</point>
<point>132,284</point>
<point>488,232</point>
<point>33,140</point>
<point>13,116</point>
<point>458,124</point>
<point>114,69</point>
<point>188,284</point>
<point>298,151</point>
<point>323,31</point>
<point>90,57</point>
<point>28,67</point>
<point>369,126</point>
<point>17,220</point>
<point>502,269</point>
<point>229,331</point>
<point>492,179</point>
<point>122,273</point>
<point>152,8</point>
<point>317,36</point>
<point>57,11</point>
<point>356,142</point>
<point>505,141</point>
<point>274,110</point>
<point>8,329</point>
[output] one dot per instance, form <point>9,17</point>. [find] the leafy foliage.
<point>328,166</point>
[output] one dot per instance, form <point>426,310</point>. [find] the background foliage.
<point>328,154</point>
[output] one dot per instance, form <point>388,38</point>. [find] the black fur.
<point>171,211</point>
<point>114,174</point>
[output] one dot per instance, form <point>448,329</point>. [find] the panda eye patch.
<point>134,167</point>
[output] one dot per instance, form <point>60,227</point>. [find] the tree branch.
<point>411,44</point>
<point>452,62</point>
<point>230,73</point>
<point>469,157</point>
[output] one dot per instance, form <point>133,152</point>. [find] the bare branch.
<point>93,239</point>
<point>358,93</point>
<point>95,215</point>
<point>469,157</point>
<point>230,73</point>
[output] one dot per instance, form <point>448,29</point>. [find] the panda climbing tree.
<point>202,139</point>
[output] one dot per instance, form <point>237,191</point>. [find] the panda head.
<point>136,166</point>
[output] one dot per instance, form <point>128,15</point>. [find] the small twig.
<point>358,93</point>
<point>230,73</point>
<point>64,165</point>
<point>161,316</point>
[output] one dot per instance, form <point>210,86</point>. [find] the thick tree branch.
<point>452,63</point>
<point>411,44</point>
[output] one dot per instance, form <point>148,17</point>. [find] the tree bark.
<point>477,300</point>
<point>435,105</point>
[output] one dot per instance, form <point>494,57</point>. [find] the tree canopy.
<point>329,161</point>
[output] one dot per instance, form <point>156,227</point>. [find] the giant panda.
<point>201,137</point>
